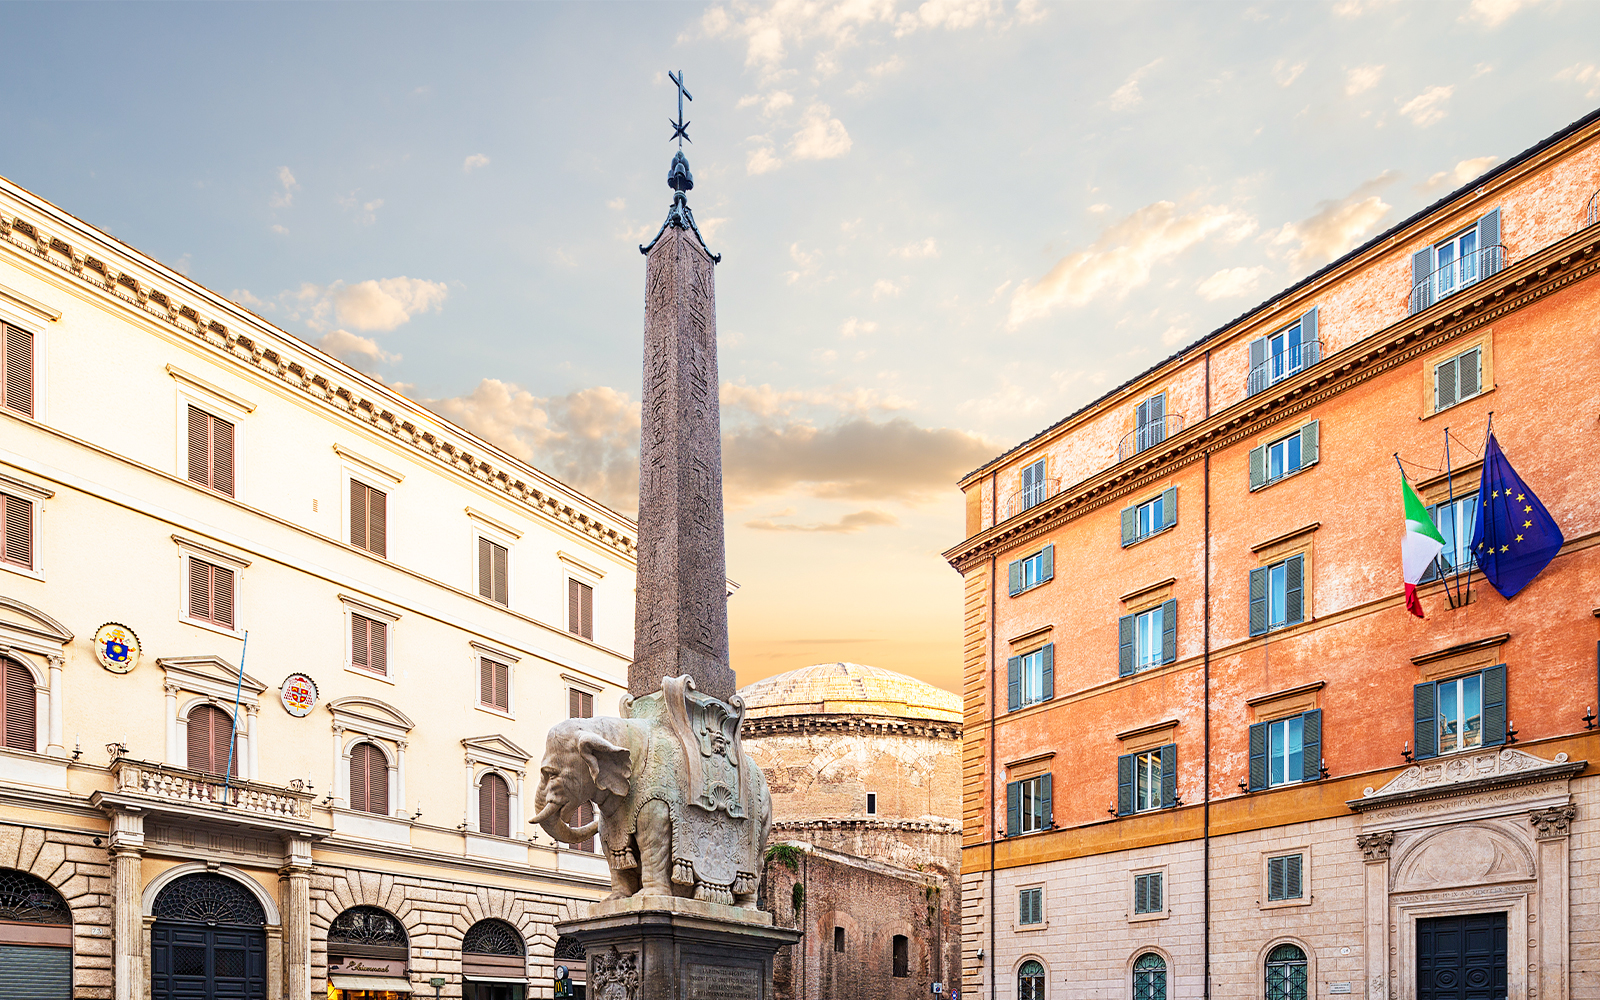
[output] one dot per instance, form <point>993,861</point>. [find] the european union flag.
<point>1516,537</point>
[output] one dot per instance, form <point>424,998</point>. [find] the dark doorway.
<point>1462,958</point>
<point>208,941</point>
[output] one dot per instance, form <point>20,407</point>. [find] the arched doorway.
<point>571,956</point>
<point>35,939</point>
<point>208,942</point>
<point>494,963</point>
<point>368,956</point>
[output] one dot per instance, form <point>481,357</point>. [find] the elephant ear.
<point>609,765</point>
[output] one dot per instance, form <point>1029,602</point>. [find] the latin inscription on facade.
<point>714,982</point>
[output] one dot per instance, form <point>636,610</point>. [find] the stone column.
<point>1549,936</point>
<point>399,780</point>
<point>1375,852</point>
<point>127,916</point>
<point>55,745</point>
<point>519,829</point>
<point>174,744</point>
<point>470,817</point>
<point>341,774</point>
<point>252,743</point>
<point>295,879</point>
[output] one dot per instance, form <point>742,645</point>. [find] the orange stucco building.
<point>1207,750</point>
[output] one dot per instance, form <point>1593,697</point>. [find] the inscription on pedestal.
<point>716,982</point>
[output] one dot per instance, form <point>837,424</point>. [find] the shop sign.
<point>346,966</point>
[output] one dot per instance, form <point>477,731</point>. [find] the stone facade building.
<point>420,607</point>
<point>1208,751</point>
<point>863,765</point>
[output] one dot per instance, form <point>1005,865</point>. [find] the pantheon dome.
<point>849,689</point>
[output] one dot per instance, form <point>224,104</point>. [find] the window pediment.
<point>211,676</point>
<point>497,751</point>
<point>370,715</point>
<point>28,628</point>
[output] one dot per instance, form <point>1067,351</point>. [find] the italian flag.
<point>1420,546</point>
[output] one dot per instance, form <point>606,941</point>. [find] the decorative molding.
<point>47,313</point>
<point>500,526</point>
<point>1028,641</point>
<point>1554,822</point>
<point>1150,730</point>
<point>1149,590</point>
<point>196,382</point>
<point>1285,537</point>
<point>1375,846</point>
<point>594,571</point>
<point>237,561</point>
<point>869,725</point>
<point>498,652</point>
<point>369,464</point>
<point>1262,699</point>
<point>366,607</point>
<point>1465,647</point>
<point>1467,772</point>
<point>1459,481</point>
<point>10,485</point>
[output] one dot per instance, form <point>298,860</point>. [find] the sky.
<point>944,224</point>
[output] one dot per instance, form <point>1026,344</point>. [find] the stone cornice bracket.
<point>1375,846</point>
<point>1553,823</point>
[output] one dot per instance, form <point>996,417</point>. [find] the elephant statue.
<point>680,809</point>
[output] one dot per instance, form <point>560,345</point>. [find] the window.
<point>1148,896</point>
<point>369,779</point>
<point>1279,355</point>
<point>492,576</point>
<point>16,357</point>
<point>369,518</point>
<point>872,803</point>
<point>1150,422</point>
<point>1150,977</point>
<point>369,644</point>
<point>580,608</point>
<point>1457,379</point>
<point>580,704</point>
<point>1031,677</point>
<point>494,806</point>
<point>1286,974</point>
<point>1283,877</point>
<point>1460,713</point>
<point>838,939</point>
<point>210,451</point>
<point>1273,461</point>
<point>1033,570</point>
<point>16,544</point>
<point>1142,520</point>
<point>1030,906</point>
<point>211,594</point>
<point>210,739</point>
<point>21,700</point>
<point>1277,595</point>
<point>494,684</point>
<point>1028,805</point>
<point>1034,490</point>
<point>1456,521</point>
<point>1030,981</point>
<point>1147,638</point>
<point>1147,780</point>
<point>585,817</point>
<point>1446,267</point>
<point>902,957</point>
<point>1286,751</point>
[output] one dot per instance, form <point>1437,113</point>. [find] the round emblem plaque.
<point>299,694</point>
<point>116,647</point>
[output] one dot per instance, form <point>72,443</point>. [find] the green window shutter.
<point>1294,589</point>
<point>1013,808</point>
<point>1258,467</point>
<point>1444,384</point>
<point>1494,705</point>
<point>1125,784</point>
<point>1169,631</point>
<point>1048,688</point>
<point>1169,775</point>
<point>1258,361</point>
<point>1044,800</point>
<point>1141,894</point>
<point>1258,600</point>
<point>1258,756</point>
<point>1309,435</point>
<point>1424,722</point>
<point>1275,877</point>
<point>1422,279</point>
<point>1130,525</point>
<point>1125,645</point>
<point>1153,897</point>
<point>1013,683</point>
<point>1490,260</point>
<point>1469,372</point>
<point>1311,745</point>
<point>1047,563</point>
<point>1169,506</point>
<point>1310,349</point>
<point>1293,865</point>
<point>1015,568</point>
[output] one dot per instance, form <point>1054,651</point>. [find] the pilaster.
<point>295,879</point>
<point>127,919</point>
<point>1550,933</point>
<point>1375,852</point>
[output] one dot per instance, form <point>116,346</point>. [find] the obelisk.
<point>681,614</point>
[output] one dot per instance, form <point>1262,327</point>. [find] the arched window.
<point>369,779</point>
<point>1030,981</point>
<point>1150,977</point>
<point>494,950</point>
<point>35,938</point>
<point>367,941</point>
<point>209,898</point>
<point>21,707</point>
<point>494,806</point>
<point>1286,973</point>
<point>210,739</point>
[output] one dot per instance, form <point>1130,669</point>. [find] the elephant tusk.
<point>550,809</point>
<point>587,830</point>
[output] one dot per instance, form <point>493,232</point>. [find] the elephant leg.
<point>624,882</point>
<point>654,836</point>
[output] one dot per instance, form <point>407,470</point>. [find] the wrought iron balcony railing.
<point>182,787</point>
<point>1149,435</point>
<point>1281,366</point>
<point>1456,275</point>
<point>1033,496</point>
<point>1592,214</point>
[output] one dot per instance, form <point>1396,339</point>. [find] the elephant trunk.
<point>547,813</point>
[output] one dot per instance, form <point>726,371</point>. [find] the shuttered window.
<point>16,358</point>
<point>16,545</point>
<point>1149,895</point>
<point>1150,422</point>
<point>210,451</point>
<point>1147,638</point>
<point>369,643</point>
<point>580,704</point>
<point>1284,877</point>
<point>369,779</point>
<point>494,806</point>
<point>494,684</point>
<point>1279,355</point>
<point>585,817</point>
<point>1031,677</point>
<point>1462,713</point>
<point>1030,906</point>
<point>1142,520</point>
<point>580,608</point>
<point>369,519</point>
<point>211,593</point>
<point>1457,379</point>
<point>210,737</point>
<point>1464,259</point>
<point>1277,595</point>
<point>1028,807</point>
<point>1031,571</point>
<point>492,577</point>
<point>1286,751</point>
<point>1277,459</point>
<point>1147,780</point>
<point>21,707</point>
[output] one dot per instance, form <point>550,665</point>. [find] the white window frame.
<point>35,325</point>
<point>222,409</point>
<point>480,652</point>
<point>1165,911</point>
<point>1032,569</point>
<point>1147,627</point>
<point>1147,798</point>
<point>372,480</point>
<point>1147,517</point>
<point>1462,720</point>
<point>1279,732</point>
<point>372,612</point>
<point>211,680</point>
<point>1454,242</point>
<point>36,496</point>
<point>1275,373</point>
<point>1028,792</point>
<point>1032,925</point>
<point>1031,674</point>
<point>1040,490</point>
<point>1283,446</point>
<point>357,720</point>
<point>1267,857</point>
<point>504,541</point>
<point>588,580</point>
<point>498,755</point>
<point>187,550</point>
<point>1459,548</point>
<point>1278,595</point>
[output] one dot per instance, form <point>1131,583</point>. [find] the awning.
<point>474,978</point>
<point>391,983</point>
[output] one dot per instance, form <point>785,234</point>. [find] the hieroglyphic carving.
<point>1375,846</point>
<point>614,975</point>
<point>1554,822</point>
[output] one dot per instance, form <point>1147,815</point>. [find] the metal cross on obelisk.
<point>681,616</point>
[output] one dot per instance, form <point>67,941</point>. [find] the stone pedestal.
<point>668,948</point>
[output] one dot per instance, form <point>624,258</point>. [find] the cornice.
<point>1517,286</point>
<point>313,377</point>
<point>801,725</point>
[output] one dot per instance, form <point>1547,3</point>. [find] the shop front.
<point>493,962</point>
<point>368,956</point>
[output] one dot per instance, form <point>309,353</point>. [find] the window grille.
<point>569,950</point>
<point>28,899</point>
<point>205,897</point>
<point>1030,981</point>
<point>1150,977</point>
<point>492,937</point>
<point>1286,973</point>
<point>367,925</point>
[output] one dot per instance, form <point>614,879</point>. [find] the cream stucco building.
<point>421,607</point>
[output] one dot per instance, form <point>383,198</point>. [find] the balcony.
<point>176,787</point>
<point>1456,275</point>
<point>1280,366</point>
<point>1149,435</point>
<point>1591,215</point>
<point>1032,496</point>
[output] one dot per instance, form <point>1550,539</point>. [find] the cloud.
<point>617,204</point>
<point>1286,74</point>
<point>1462,172</point>
<point>821,137</point>
<point>1355,8</point>
<point>244,298</point>
<point>285,197</point>
<point>1585,75</point>
<point>385,304</point>
<point>1493,13</point>
<point>1230,283</point>
<point>857,459</point>
<point>770,104</point>
<point>1360,79</point>
<point>1337,225</point>
<point>853,327</point>
<point>847,525</point>
<point>1122,258</point>
<point>884,288</point>
<point>761,161</point>
<point>353,350</point>
<point>765,402</point>
<point>926,248</point>
<point>1425,109</point>
<point>952,15</point>
<point>1127,96</point>
<point>473,162</point>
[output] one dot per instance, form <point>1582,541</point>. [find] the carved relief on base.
<point>614,975</point>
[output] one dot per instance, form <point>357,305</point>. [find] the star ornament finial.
<point>680,128</point>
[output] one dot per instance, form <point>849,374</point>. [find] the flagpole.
<point>1450,491</point>
<point>233,736</point>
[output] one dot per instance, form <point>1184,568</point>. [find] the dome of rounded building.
<point>849,689</point>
